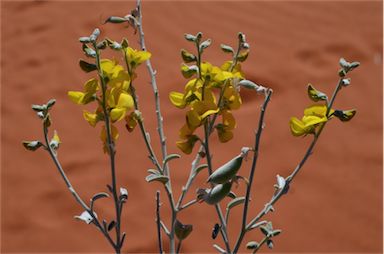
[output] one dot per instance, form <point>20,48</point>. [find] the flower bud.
<point>316,95</point>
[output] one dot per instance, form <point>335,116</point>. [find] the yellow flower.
<point>224,129</point>
<point>313,116</point>
<point>124,104</point>
<point>90,88</point>
<point>186,145</point>
<point>103,137</point>
<point>93,118</point>
<point>237,72</point>
<point>110,68</point>
<point>202,109</point>
<point>131,120</point>
<point>192,93</point>
<point>135,57</point>
<point>232,99</point>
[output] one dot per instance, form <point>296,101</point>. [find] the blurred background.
<point>335,203</point>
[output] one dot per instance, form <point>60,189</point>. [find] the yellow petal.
<point>56,137</point>
<point>125,101</point>
<point>228,120</point>
<point>131,121</point>
<point>187,145</point>
<point>224,135</point>
<point>193,119</point>
<point>91,118</point>
<point>177,99</point>
<point>313,120</point>
<point>76,97</point>
<point>185,132</point>
<point>91,86</point>
<point>117,114</point>
<point>209,112</point>
<point>297,127</point>
<point>316,110</point>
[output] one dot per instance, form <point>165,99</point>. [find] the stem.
<point>290,178</point>
<point>111,148</point>
<point>253,169</point>
<point>72,190</point>
<point>158,222</point>
<point>223,228</point>
<point>178,246</point>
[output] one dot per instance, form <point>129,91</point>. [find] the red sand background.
<point>335,205</point>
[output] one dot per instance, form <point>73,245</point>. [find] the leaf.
<point>182,231</point>
<point>171,157</point>
<point>99,195</point>
<point>39,108</point>
<point>316,95</point>
<point>50,103</point>
<point>84,39</point>
<point>87,67</point>
<point>115,20</point>
<point>226,48</point>
<point>187,56</point>
<point>111,225</point>
<point>235,202</point>
<point>190,37</point>
<point>243,56</point>
<point>200,167</point>
<point>153,171</point>
<point>231,195</point>
<point>215,230</point>
<point>253,245</point>
<point>205,44</point>
<point>86,217</point>
<point>275,232</point>
<point>88,51</point>
<point>32,145</point>
<point>158,178</point>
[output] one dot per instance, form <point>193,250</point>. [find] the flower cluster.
<point>318,114</point>
<point>210,91</point>
<point>112,91</point>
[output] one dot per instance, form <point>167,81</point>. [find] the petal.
<point>228,120</point>
<point>91,118</point>
<point>209,112</point>
<point>76,97</point>
<point>193,119</point>
<point>185,131</point>
<point>131,122</point>
<point>117,114</point>
<point>177,99</point>
<point>297,127</point>
<point>313,120</point>
<point>224,135</point>
<point>125,101</point>
<point>91,86</point>
<point>316,110</point>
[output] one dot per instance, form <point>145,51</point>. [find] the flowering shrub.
<point>210,96</point>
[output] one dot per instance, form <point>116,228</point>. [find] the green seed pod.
<point>218,193</point>
<point>227,171</point>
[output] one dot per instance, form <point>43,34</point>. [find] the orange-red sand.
<point>334,205</point>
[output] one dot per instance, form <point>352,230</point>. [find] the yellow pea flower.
<point>90,88</point>
<point>224,129</point>
<point>124,104</point>
<point>232,99</point>
<point>237,72</point>
<point>110,68</point>
<point>192,93</point>
<point>103,136</point>
<point>186,145</point>
<point>201,109</point>
<point>313,116</point>
<point>136,57</point>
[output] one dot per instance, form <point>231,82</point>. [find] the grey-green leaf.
<point>87,67</point>
<point>226,48</point>
<point>200,167</point>
<point>253,245</point>
<point>171,157</point>
<point>32,145</point>
<point>100,195</point>
<point>158,178</point>
<point>235,202</point>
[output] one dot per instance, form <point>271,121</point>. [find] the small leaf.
<point>188,57</point>
<point>182,231</point>
<point>86,217</point>
<point>345,115</point>
<point>124,43</point>
<point>111,225</point>
<point>99,195</point>
<point>205,44</point>
<point>232,195</point>
<point>235,202</point>
<point>190,37</point>
<point>226,48</point>
<point>171,157</point>
<point>84,39</point>
<point>50,103</point>
<point>158,178</point>
<point>243,56</point>
<point>87,67</point>
<point>275,232</point>
<point>115,20</point>
<point>270,243</point>
<point>89,51</point>
<point>215,230</point>
<point>253,245</point>
<point>153,171</point>
<point>39,108</point>
<point>316,95</point>
<point>32,145</point>
<point>200,167</point>
<point>346,81</point>
<point>265,230</point>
